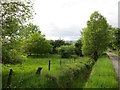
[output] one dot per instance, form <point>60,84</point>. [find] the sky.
<point>65,19</point>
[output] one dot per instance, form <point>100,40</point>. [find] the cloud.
<point>66,18</point>
<point>71,33</point>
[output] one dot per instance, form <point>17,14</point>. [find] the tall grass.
<point>59,75</point>
<point>103,74</point>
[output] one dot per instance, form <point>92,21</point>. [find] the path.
<point>116,63</point>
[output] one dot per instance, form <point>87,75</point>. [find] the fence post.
<point>38,71</point>
<point>9,78</point>
<point>49,65</point>
<point>60,62</point>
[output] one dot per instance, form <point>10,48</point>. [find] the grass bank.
<point>103,74</point>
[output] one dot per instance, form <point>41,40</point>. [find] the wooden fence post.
<point>38,71</point>
<point>9,78</point>
<point>49,65</point>
<point>60,62</point>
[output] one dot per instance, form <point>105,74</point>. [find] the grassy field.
<point>103,74</point>
<point>71,73</point>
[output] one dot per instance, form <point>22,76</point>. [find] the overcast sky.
<point>64,19</point>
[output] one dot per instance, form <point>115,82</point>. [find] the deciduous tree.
<point>95,36</point>
<point>13,15</point>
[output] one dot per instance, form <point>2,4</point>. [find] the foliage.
<point>103,74</point>
<point>57,43</point>
<point>115,52</point>
<point>12,56</point>
<point>95,38</point>
<point>78,46</point>
<point>72,72</point>
<point>117,39</point>
<point>14,14</point>
<point>74,56</point>
<point>112,38</point>
<point>27,30</point>
<point>66,51</point>
<point>36,44</point>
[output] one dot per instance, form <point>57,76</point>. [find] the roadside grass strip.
<point>103,74</point>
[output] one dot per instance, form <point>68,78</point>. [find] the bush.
<point>66,51</point>
<point>11,56</point>
<point>72,72</point>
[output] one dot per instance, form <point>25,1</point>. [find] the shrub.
<point>66,51</point>
<point>11,56</point>
<point>72,72</point>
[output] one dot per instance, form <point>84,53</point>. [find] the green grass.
<point>115,52</point>
<point>59,75</point>
<point>103,74</point>
<point>0,75</point>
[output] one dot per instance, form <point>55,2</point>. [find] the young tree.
<point>95,36</point>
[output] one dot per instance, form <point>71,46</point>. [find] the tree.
<point>111,38</point>
<point>66,51</point>
<point>95,36</point>
<point>27,30</point>
<point>78,46</point>
<point>117,39</point>
<point>56,43</point>
<point>14,14</point>
<point>37,44</point>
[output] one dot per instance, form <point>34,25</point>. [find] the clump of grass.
<point>103,74</point>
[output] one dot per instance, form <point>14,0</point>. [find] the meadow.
<point>63,73</point>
